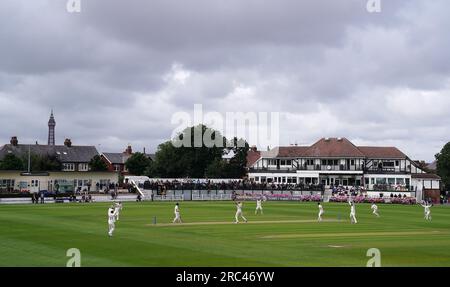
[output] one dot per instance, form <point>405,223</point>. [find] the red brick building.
<point>116,161</point>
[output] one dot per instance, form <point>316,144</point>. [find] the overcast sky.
<point>116,72</point>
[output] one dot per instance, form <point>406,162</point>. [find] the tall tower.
<point>51,130</point>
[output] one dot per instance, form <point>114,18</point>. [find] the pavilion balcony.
<point>272,170</point>
<point>386,170</point>
<point>330,168</point>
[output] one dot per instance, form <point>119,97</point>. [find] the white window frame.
<point>83,167</point>
<point>69,167</point>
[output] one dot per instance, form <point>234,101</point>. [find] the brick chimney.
<point>67,142</point>
<point>128,151</point>
<point>14,141</point>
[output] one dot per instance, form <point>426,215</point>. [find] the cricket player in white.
<point>112,212</point>
<point>177,214</point>
<point>319,218</point>
<point>118,208</point>
<point>239,213</point>
<point>374,208</point>
<point>352,212</point>
<point>427,211</point>
<point>259,206</point>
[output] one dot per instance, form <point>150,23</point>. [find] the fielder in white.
<point>352,212</point>
<point>427,211</point>
<point>177,214</point>
<point>319,218</point>
<point>239,212</point>
<point>118,209</point>
<point>112,212</point>
<point>374,208</point>
<point>259,206</point>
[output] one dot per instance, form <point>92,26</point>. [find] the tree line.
<point>38,163</point>
<point>173,159</point>
<point>443,165</point>
<point>41,163</point>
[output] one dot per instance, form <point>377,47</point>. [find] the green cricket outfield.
<point>288,234</point>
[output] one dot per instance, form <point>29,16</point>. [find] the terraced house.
<point>117,161</point>
<point>338,162</point>
<point>71,172</point>
<point>75,173</point>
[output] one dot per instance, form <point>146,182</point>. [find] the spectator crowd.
<point>192,184</point>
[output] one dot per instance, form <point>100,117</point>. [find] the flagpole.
<point>29,159</point>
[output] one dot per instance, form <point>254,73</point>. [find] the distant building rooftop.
<point>74,154</point>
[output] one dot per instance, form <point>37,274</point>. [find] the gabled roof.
<point>381,152</point>
<point>334,147</point>
<point>116,157</point>
<point>63,153</point>
<point>121,158</point>
<point>325,147</point>
<point>252,157</point>
<point>292,151</point>
<point>432,166</point>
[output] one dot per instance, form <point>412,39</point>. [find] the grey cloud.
<point>330,67</point>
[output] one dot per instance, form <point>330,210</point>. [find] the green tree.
<point>97,164</point>
<point>167,162</point>
<point>184,157</point>
<point>188,155</point>
<point>11,162</point>
<point>43,162</point>
<point>238,163</point>
<point>195,155</point>
<point>443,165</point>
<point>138,163</point>
<point>217,169</point>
